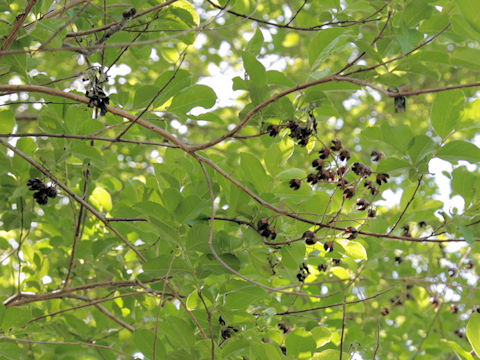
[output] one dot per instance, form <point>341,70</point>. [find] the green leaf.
<point>279,78</point>
<point>470,10</point>
<point>464,183</point>
<point>461,353</point>
<point>254,171</point>
<point>196,95</point>
<point>397,136</point>
<point>255,44</point>
<point>299,341</point>
<point>321,335</point>
<point>457,150</point>
<point>446,109</point>
<point>355,250</point>
<point>473,331</point>
<point>101,198</point>
<point>7,121</point>
<point>254,68</point>
<point>421,147</point>
<point>393,164</point>
<point>322,44</point>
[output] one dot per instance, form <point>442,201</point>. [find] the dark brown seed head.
<point>384,311</point>
<point>372,213</point>
<point>362,204</point>
<point>295,184</point>
<point>377,155</point>
<point>344,155</point>
<point>322,267</point>
<point>348,193</point>
<point>382,177</point>
<point>312,178</point>
<point>336,145</point>
<point>309,237</point>
<point>262,224</point>
<point>352,231</point>
<point>328,246</point>
<point>453,308</point>
<point>324,153</point>
<point>273,130</point>
<point>336,261</point>
<point>317,163</point>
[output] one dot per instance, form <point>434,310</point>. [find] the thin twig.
<point>16,28</point>
<point>98,346</point>
<point>419,182</point>
<point>72,195</point>
<point>343,327</point>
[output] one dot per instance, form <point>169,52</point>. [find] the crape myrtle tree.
<point>239,179</point>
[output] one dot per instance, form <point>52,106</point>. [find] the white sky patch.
<point>46,280</point>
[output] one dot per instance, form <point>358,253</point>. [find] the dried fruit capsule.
<point>453,308</point>
<point>51,192</point>
<point>312,178</point>
<point>317,163</point>
<point>262,224</point>
<point>328,246</point>
<point>40,197</point>
<point>310,238</point>
<point>352,231</point>
<point>322,267</point>
<point>344,155</point>
<point>348,193</point>
<point>35,184</point>
<point>382,177</point>
<point>336,261</point>
<point>295,184</point>
<point>336,145</point>
<point>384,311</point>
<point>362,204</point>
<point>324,153</point>
<point>377,155</point>
<point>372,213</point>
<point>273,130</point>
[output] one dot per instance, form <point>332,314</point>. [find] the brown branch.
<point>27,298</point>
<point>377,346</point>
<point>335,305</point>
<point>424,43</point>
<point>107,313</point>
<point>16,28</point>
<point>72,195</point>
<point>107,26</point>
<point>406,206</point>
<point>344,23</point>
<point>78,229</point>
<point>98,346</point>
<point>87,137</point>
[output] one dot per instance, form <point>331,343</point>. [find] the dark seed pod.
<point>400,104</point>
<point>309,237</point>
<point>336,261</point>
<point>292,125</point>
<point>372,213</point>
<point>51,192</point>
<point>221,321</point>
<point>435,302</point>
<point>377,155</point>
<point>40,197</point>
<point>382,177</point>
<point>459,333</point>
<point>352,231</point>
<point>295,184</point>
<point>349,193</point>
<point>344,155</point>
<point>452,272</point>
<point>324,153</point>
<point>322,267</point>
<point>284,350</point>
<point>273,130</point>
<point>265,232</point>
<point>336,145</point>
<point>318,163</point>
<point>301,277</point>
<point>128,14</point>
<point>312,178</point>
<point>398,259</point>
<point>384,311</point>
<point>374,190</point>
<point>273,233</point>
<point>422,224</point>
<point>409,286</point>
<point>406,230</point>
<point>341,170</point>
<point>284,327</point>
<point>362,204</point>
<point>368,184</point>
<point>35,184</point>
<point>262,224</point>
<point>328,246</point>
<point>453,309</point>
<point>469,265</point>
<point>361,169</point>
<point>409,296</point>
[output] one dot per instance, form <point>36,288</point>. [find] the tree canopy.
<point>239,179</point>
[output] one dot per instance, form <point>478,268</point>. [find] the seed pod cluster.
<point>42,191</point>
<point>264,229</point>
<point>303,273</point>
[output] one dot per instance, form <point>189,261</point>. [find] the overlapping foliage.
<point>169,217</point>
